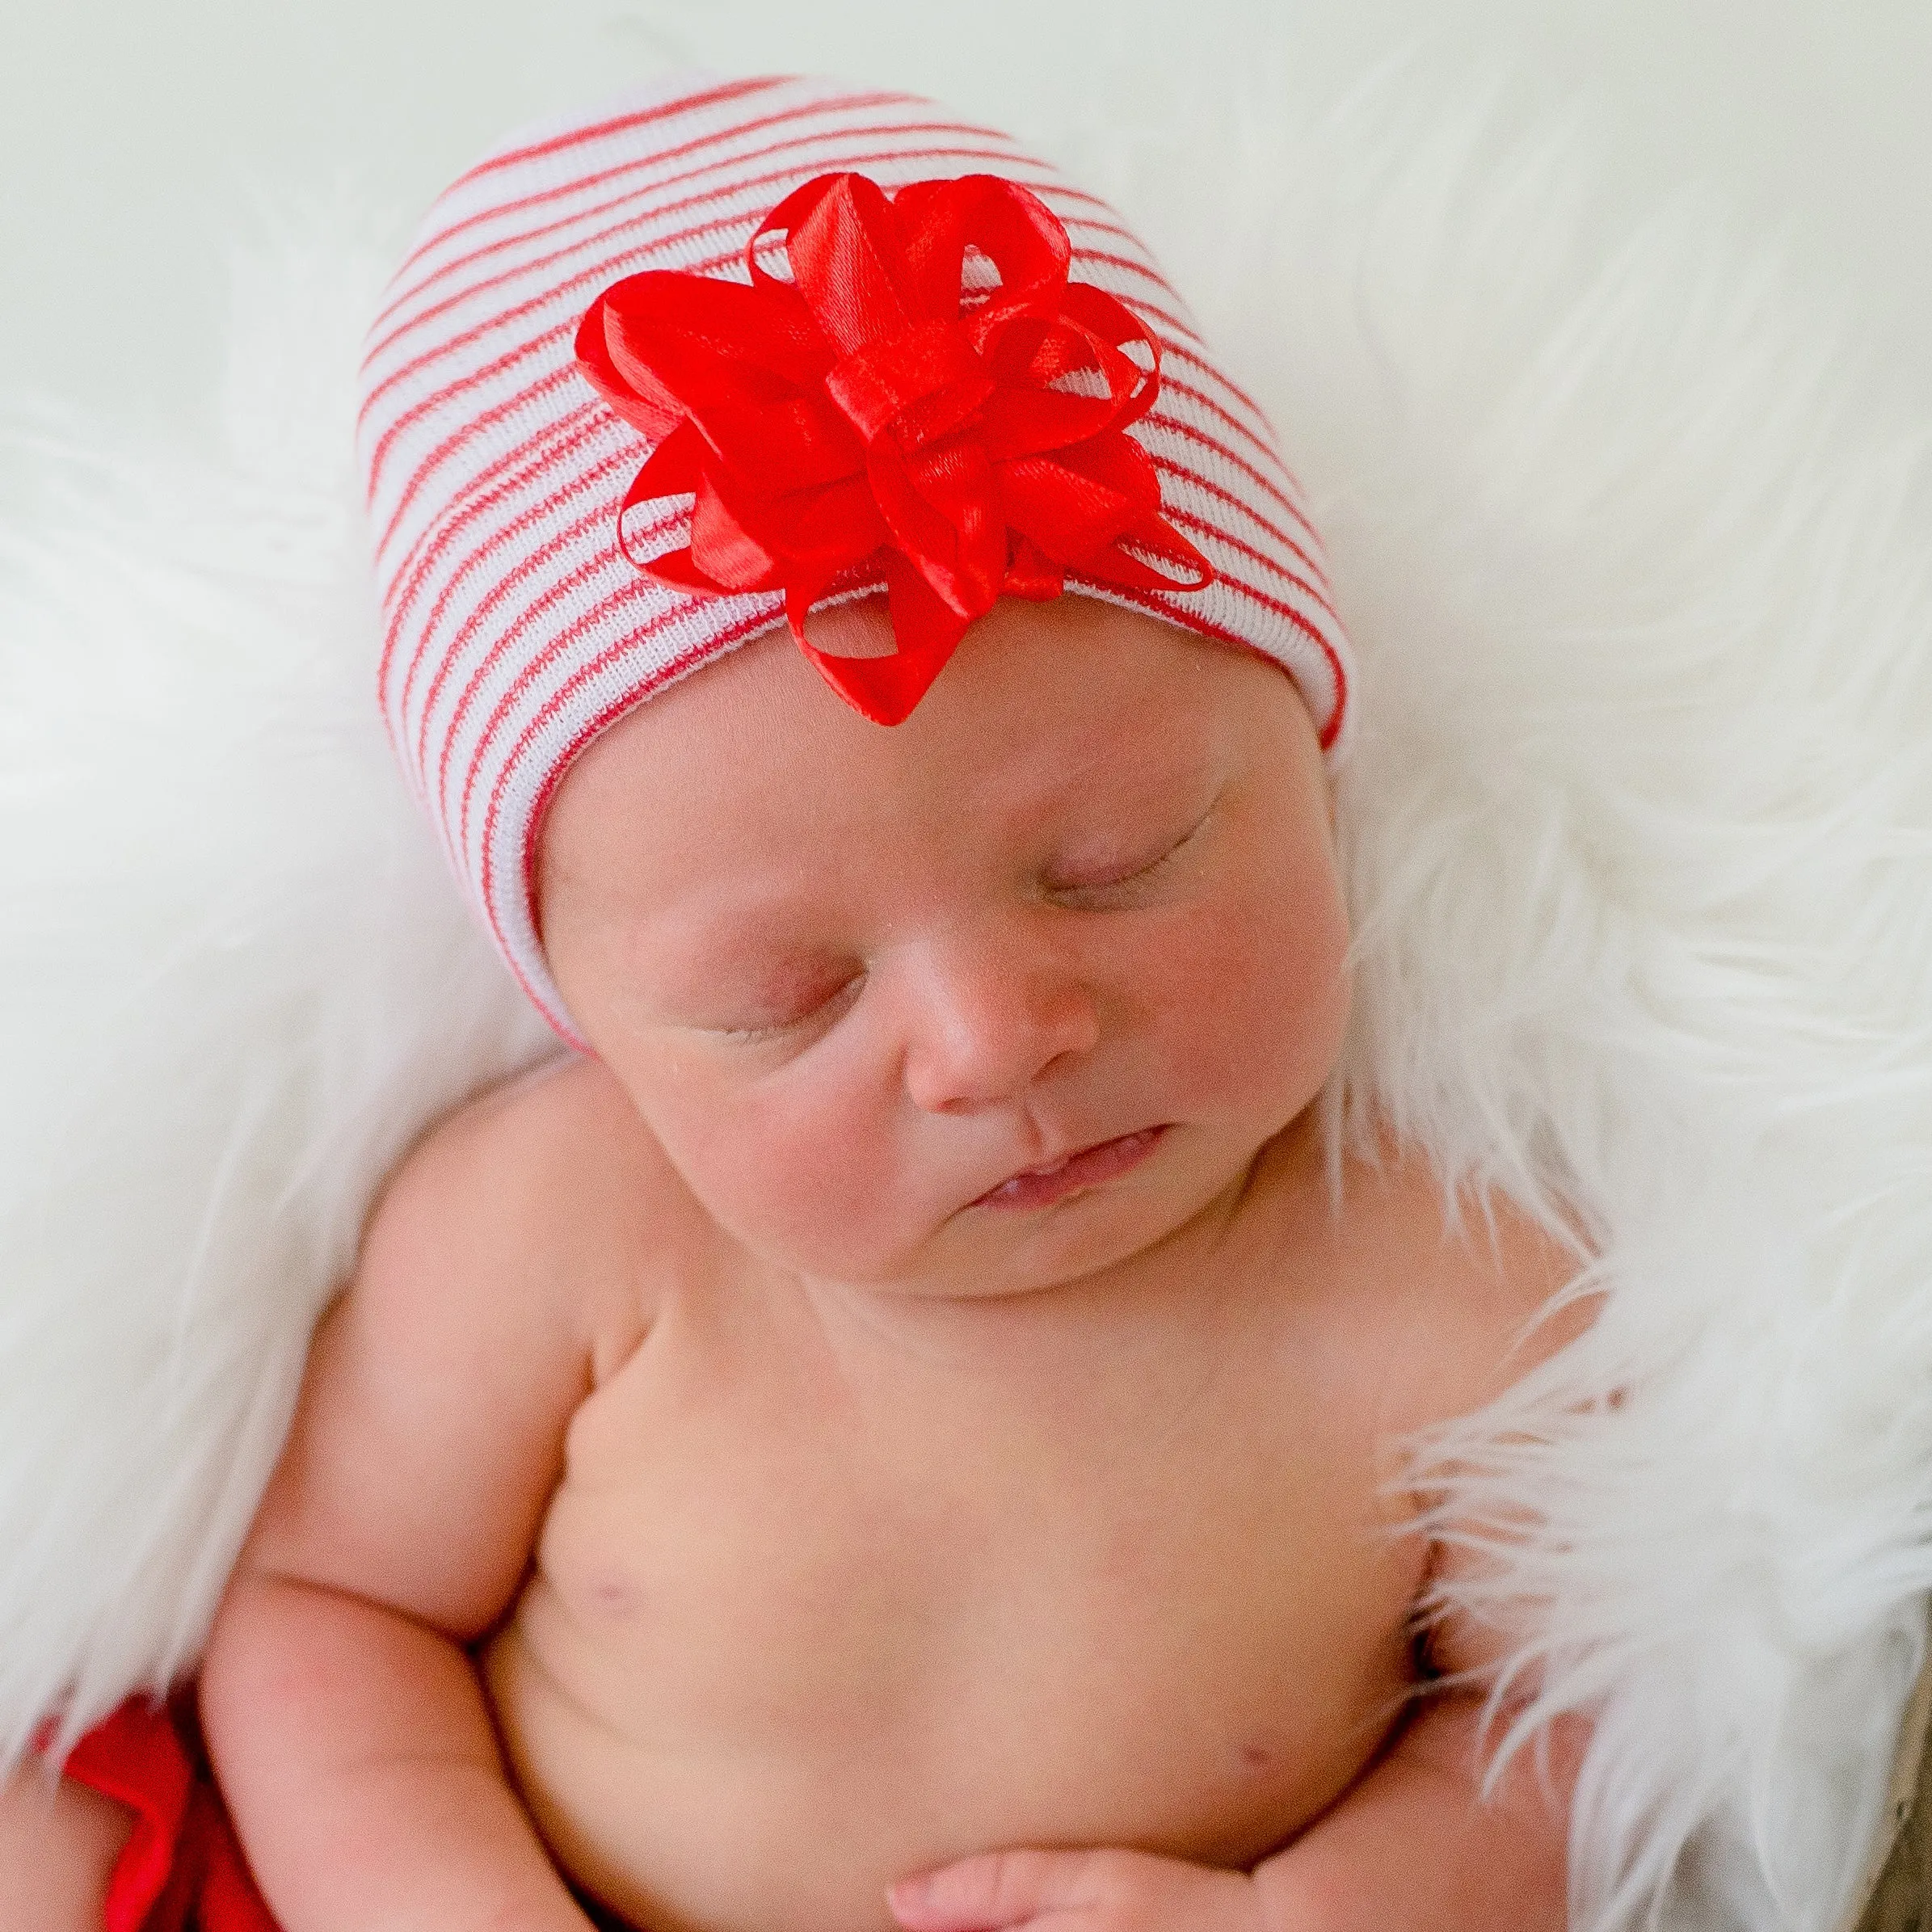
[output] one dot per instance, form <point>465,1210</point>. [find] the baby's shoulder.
<point>540,1151</point>
<point>1455,1295</point>
<point>550,1184</point>
<point>1478,1281</point>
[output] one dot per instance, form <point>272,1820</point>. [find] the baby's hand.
<point>1079,1891</point>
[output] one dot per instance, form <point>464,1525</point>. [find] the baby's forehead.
<point>1066,711</point>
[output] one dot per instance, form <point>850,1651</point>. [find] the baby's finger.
<point>995,1889</point>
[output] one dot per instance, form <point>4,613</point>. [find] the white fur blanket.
<point>1639,837</point>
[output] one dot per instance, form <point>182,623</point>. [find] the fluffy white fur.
<point>238,983</point>
<point>1638,833</point>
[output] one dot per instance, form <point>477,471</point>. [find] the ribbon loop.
<point>889,414</point>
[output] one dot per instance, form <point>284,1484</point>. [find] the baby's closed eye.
<point>1099,878</point>
<point>791,1002</point>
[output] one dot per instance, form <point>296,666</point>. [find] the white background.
<point>135,134</point>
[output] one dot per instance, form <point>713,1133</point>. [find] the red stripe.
<point>1316,593</point>
<point>1296,618</point>
<point>1181,354</point>
<point>1178,324</point>
<point>579,183</point>
<point>665,674</point>
<point>1152,602</point>
<point>1264,444</point>
<point>619,461</point>
<point>557,588</point>
<point>532,473</point>
<point>1193,360</point>
<point>685,103</point>
<point>633,591</point>
<point>656,212</point>
<point>1234,389</point>
<point>1174,322</point>
<point>561,432</point>
<point>1174,468</point>
<point>465,433</point>
<point>635,587</point>
<point>657,185</point>
<point>1195,435</point>
<point>1241,587</point>
<point>487,492</point>
<point>655,244</point>
<point>1179,350</point>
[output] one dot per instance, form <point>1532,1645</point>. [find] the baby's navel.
<point>615,1595</point>
<point>1257,1758</point>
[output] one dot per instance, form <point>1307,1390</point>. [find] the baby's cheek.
<point>1252,1003</point>
<point>803,1177</point>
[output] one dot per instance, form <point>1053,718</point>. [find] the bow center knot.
<point>916,385</point>
<point>881,417</point>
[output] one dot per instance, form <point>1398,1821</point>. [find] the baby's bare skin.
<point>824,1599</point>
<point>817,1515</point>
<point>58,1843</point>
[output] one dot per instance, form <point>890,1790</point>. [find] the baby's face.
<point>860,980</point>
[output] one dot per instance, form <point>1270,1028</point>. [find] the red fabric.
<point>869,418</point>
<point>182,1870</point>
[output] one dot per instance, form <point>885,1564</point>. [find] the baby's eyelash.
<point>752,1036</point>
<point>747,1035</point>
<point>1140,872</point>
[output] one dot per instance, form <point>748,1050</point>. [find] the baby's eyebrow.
<point>767,935</point>
<point>1170,771</point>
<point>761,994</point>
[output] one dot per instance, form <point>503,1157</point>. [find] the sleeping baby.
<point>902,1426</point>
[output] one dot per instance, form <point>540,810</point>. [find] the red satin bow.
<point>873,417</point>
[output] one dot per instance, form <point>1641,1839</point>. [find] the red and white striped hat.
<point>499,466</point>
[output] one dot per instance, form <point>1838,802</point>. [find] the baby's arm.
<point>1413,1847</point>
<point>346,1721</point>
<point>1410,1847</point>
<point>58,1843</point>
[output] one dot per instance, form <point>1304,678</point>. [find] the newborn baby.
<point>904,1425</point>
<point>910,1391</point>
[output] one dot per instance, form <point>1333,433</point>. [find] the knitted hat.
<point>604,439</point>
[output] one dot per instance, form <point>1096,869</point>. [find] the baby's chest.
<point>754,1547</point>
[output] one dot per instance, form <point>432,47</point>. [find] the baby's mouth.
<point>1039,1187</point>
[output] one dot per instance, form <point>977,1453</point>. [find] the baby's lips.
<point>1090,1166</point>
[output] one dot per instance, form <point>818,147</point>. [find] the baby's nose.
<point>988,1017</point>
